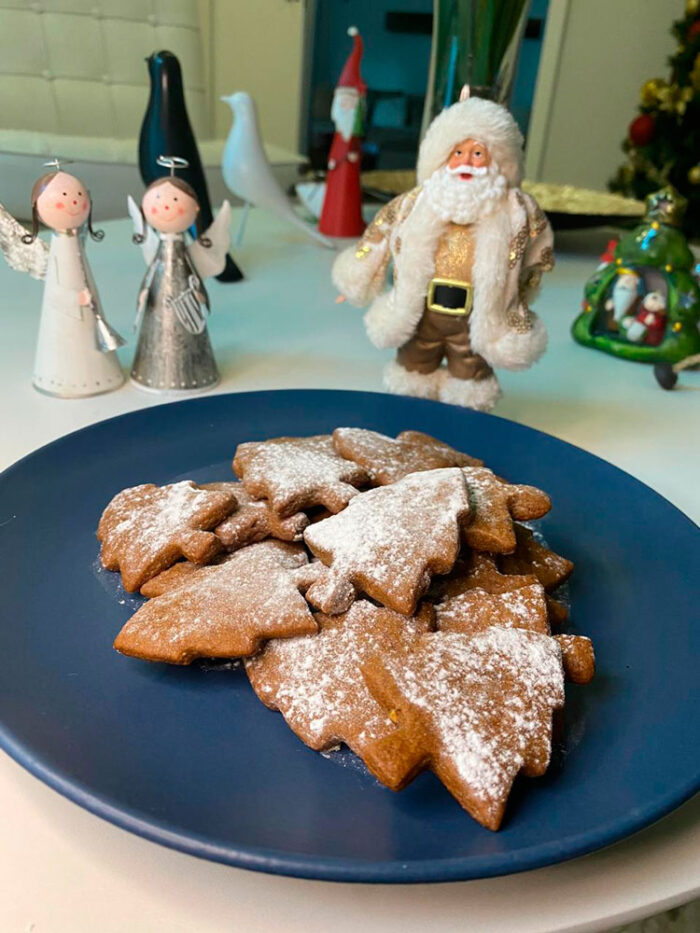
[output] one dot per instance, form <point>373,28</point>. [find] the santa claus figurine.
<point>342,205</point>
<point>625,293</point>
<point>649,325</point>
<point>468,248</point>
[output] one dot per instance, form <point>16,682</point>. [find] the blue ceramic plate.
<point>191,759</point>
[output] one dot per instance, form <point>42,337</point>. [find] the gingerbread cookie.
<point>389,541</point>
<point>578,658</point>
<point>227,610</point>
<point>316,682</point>
<point>476,596</point>
<point>531,556</point>
<point>495,504</point>
<point>439,447</point>
<point>388,459</point>
<point>147,528</point>
<point>476,710</point>
<point>558,613</point>
<point>254,520</point>
<point>174,576</point>
<point>296,473</point>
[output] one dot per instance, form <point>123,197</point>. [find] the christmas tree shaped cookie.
<point>476,710</point>
<point>476,596</point>
<point>297,473</point>
<point>227,610</point>
<point>181,572</point>
<point>254,520</point>
<point>316,682</point>
<point>147,528</point>
<point>389,541</point>
<point>578,657</point>
<point>533,557</point>
<point>388,459</point>
<point>495,504</point>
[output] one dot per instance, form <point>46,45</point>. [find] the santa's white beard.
<point>623,299</point>
<point>343,115</point>
<point>465,201</point>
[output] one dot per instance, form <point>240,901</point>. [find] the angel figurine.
<point>75,353</point>
<point>174,353</point>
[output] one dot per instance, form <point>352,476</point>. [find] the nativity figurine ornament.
<point>468,250</point>
<point>75,353</point>
<point>174,352</point>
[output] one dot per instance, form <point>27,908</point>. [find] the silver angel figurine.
<point>75,353</point>
<point>174,353</point>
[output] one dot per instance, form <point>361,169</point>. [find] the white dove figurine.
<point>247,172</point>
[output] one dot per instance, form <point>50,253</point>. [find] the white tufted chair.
<point>74,83</point>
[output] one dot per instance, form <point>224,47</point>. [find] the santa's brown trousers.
<point>440,336</point>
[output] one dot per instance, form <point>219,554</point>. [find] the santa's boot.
<point>480,394</point>
<point>401,381</point>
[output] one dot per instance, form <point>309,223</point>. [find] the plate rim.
<point>341,868</point>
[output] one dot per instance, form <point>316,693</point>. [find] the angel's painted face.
<point>168,209</point>
<point>64,203</point>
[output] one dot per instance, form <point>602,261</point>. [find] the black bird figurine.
<point>166,130</point>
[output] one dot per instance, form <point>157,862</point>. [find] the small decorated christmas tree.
<point>663,142</point>
<point>643,303</point>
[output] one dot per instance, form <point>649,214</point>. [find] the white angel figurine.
<point>75,353</point>
<point>174,353</point>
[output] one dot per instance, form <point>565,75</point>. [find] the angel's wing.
<point>24,257</point>
<point>149,247</point>
<point>211,260</point>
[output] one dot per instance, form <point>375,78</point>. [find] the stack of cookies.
<point>382,593</point>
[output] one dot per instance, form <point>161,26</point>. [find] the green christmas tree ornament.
<point>643,301</point>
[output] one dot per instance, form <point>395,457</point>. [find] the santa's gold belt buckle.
<point>460,295</point>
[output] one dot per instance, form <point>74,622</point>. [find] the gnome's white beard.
<point>464,202</point>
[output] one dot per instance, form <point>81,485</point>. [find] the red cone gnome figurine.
<point>342,206</point>
<point>468,250</point>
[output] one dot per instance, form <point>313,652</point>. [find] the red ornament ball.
<point>641,131</point>
<point>693,31</point>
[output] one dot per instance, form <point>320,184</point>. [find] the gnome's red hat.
<point>350,75</point>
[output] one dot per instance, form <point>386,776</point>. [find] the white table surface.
<point>63,870</point>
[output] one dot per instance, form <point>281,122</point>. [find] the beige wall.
<point>596,56</point>
<point>256,46</point>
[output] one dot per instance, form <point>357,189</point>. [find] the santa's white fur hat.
<point>474,118</point>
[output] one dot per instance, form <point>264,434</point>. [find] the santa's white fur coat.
<point>513,247</point>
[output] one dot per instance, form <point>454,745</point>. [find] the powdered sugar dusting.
<point>151,513</point>
<point>484,485</point>
<point>489,700</point>
<point>476,609</point>
<point>254,520</point>
<point>298,472</point>
<point>388,540</point>
<point>316,681</point>
<point>146,524</point>
<point>389,459</point>
<point>224,610</point>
